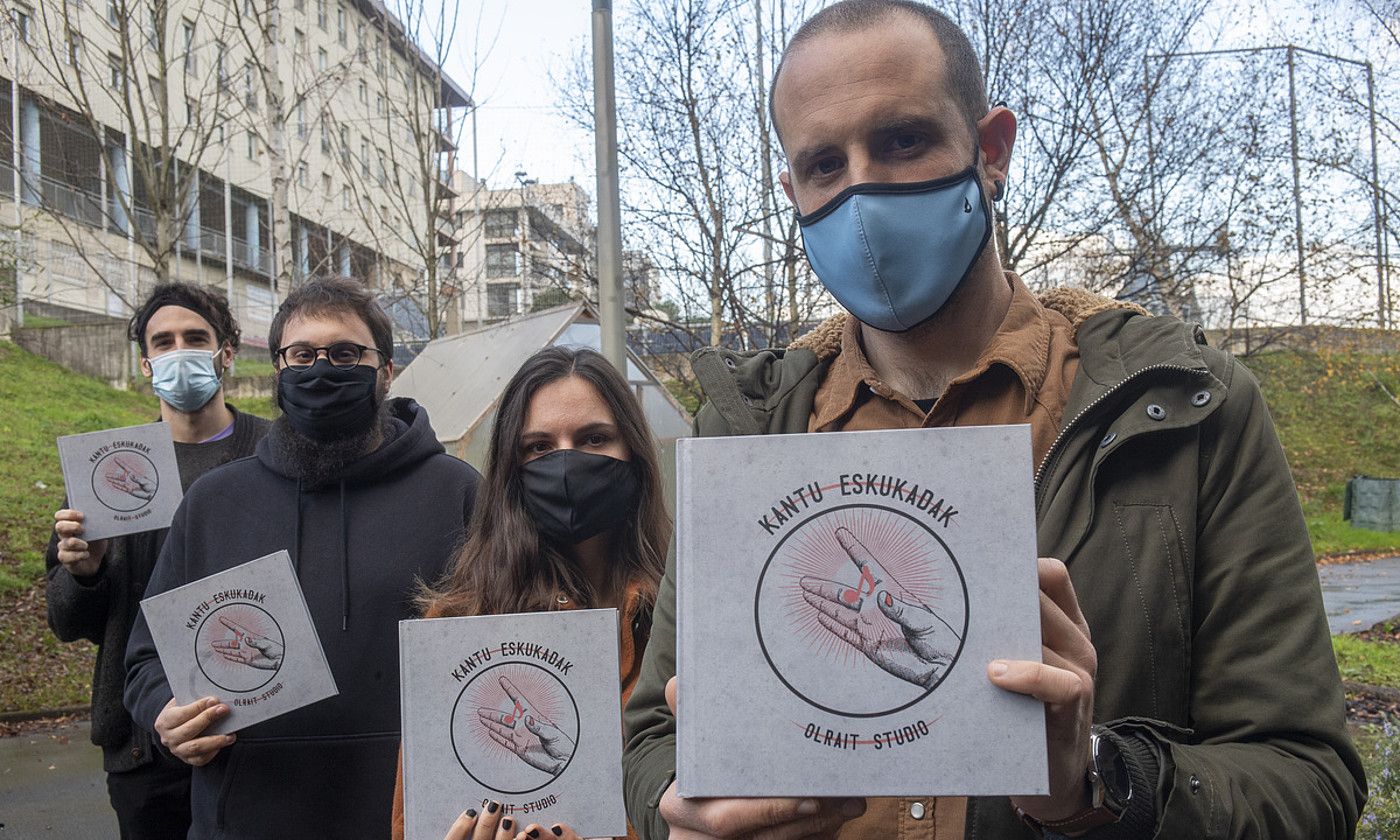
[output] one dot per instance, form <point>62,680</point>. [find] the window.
<point>326,185</point>
<point>73,47</point>
<point>364,93</point>
<point>22,15</point>
<point>114,14</point>
<point>191,111</point>
<point>191,57</point>
<point>219,133</point>
<point>461,259</point>
<point>502,261</point>
<point>301,174</point>
<point>321,14</point>
<point>502,299</point>
<point>379,55</point>
<point>153,32</point>
<point>221,64</point>
<point>322,60</point>
<point>364,156</point>
<point>325,136</point>
<point>250,87</point>
<point>301,120</point>
<point>299,39</point>
<point>345,146</point>
<point>345,198</point>
<point>252,145</point>
<point>501,224</point>
<point>114,68</point>
<point>379,104</point>
<point>382,175</point>
<point>360,40</point>
<point>340,23</point>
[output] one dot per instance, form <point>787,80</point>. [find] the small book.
<point>839,599</point>
<point>521,709</point>
<point>123,480</point>
<point>245,636</point>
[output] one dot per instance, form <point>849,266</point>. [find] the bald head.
<point>961,71</point>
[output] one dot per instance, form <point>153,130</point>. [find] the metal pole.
<point>766,192</point>
<point>1297,192</point>
<point>1376,202</point>
<point>610,313</point>
<point>15,162</point>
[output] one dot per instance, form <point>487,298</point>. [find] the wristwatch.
<point>1110,790</point>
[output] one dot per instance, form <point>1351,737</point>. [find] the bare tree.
<point>133,119</point>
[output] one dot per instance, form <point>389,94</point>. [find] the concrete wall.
<point>100,350</point>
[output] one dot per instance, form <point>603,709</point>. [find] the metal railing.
<point>70,201</point>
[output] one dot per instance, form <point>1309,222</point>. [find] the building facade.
<point>519,249</point>
<point>209,141</point>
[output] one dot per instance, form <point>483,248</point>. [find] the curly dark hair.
<point>209,303</point>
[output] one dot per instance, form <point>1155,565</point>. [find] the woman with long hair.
<point>570,515</point>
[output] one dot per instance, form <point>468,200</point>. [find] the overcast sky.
<point>519,45</point>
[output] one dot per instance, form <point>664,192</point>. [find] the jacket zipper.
<point>1053,454</point>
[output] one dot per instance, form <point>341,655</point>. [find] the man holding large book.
<point>1187,673</point>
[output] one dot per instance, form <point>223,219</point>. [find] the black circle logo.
<point>239,647</point>
<point>125,480</point>
<point>857,596</point>
<point>515,727</point>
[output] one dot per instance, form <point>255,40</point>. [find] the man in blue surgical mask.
<point>188,339</point>
<point>1162,493</point>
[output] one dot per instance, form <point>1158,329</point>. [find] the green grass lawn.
<point>1373,663</point>
<point>1334,423</point>
<point>42,401</point>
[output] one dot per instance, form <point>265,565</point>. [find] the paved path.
<point>52,786</point>
<point>1358,595</point>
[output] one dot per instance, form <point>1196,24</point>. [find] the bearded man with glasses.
<point>358,490</point>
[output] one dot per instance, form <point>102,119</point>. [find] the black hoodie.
<point>359,544</point>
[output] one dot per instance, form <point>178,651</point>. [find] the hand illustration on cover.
<point>248,648</point>
<point>927,644</point>
<point>527,733</point>
<point>131,482</point>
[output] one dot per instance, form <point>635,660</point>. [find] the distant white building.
<point>515,245</point>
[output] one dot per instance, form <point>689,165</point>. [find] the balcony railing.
<point>70,201</point>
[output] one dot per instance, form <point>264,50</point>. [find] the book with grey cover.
<point>123,480</point>
<point>839,598</point>
<point>245,636</point>
<point>523,709</point>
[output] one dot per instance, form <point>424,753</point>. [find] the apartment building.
<point>519,246</point>
<point>203,140</point>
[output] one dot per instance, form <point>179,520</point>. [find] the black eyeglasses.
<point>342,354</point>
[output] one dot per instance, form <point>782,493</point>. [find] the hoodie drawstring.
<point>344,563</point>
<point>296,532</point>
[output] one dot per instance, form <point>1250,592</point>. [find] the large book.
<point>521,709</point>
<point>123,480</point>
<point>245,636</point>
<point>839,599</point>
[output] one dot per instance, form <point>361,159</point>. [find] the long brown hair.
<point>504,566</point>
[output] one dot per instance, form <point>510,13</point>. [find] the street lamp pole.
<point>610,312</point>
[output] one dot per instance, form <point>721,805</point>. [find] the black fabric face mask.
<point>575,495</point>
<point>324,402</point>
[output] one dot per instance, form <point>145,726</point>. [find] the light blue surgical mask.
<point>185,379</point>
<point>892,254</point>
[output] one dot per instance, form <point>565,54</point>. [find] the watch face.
<point>1112,767</point>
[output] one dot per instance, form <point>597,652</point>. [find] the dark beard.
<point>315,462</point>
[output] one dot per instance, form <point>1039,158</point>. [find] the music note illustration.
<point>515,714</point>
<point>866,586</point>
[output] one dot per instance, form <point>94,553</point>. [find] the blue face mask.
<point>892,254</point>
<point>185,379</point>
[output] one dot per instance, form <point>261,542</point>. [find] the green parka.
<point>1168,496</point>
